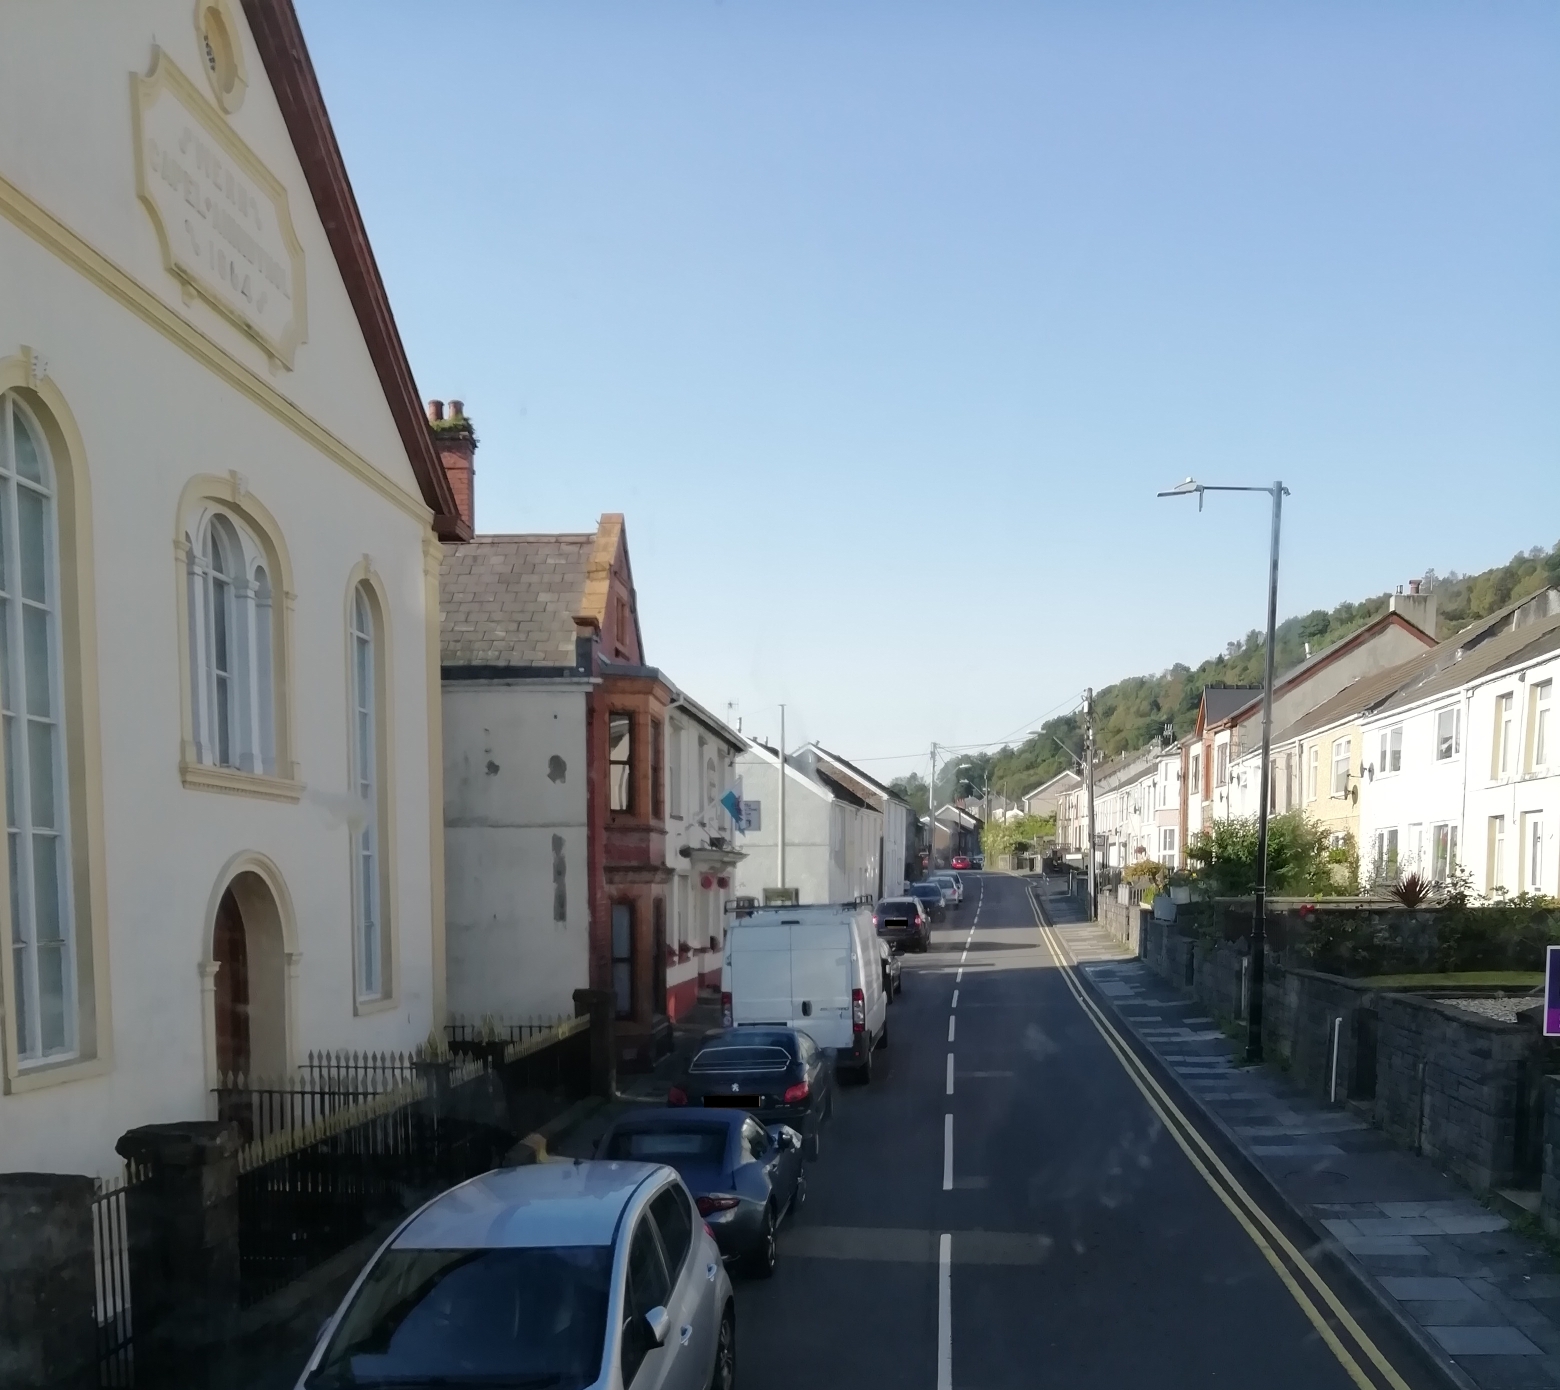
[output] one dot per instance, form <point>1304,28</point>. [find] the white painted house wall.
<point>517,916</point>
<point>1424,794</point>
<point>1511,836</point>
<point>146,412</point>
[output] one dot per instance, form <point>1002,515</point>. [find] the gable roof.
<point>1061,776</point>
<point>512,600</point>
<point>1495,654</point>
<point>1219,702</point>
<point>865,778</point>
<point>279,39</point>
<point>1475,642</point>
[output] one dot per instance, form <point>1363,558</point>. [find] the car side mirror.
<point>659,1321</point>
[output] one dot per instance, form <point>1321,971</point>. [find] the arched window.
<point>31,696</point>
<point>365,783</point>
<point>231,618</point>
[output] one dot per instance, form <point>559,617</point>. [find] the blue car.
<point>745,1179</point>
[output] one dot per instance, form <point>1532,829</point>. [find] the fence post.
<point>46,1323</point>
<point>601,1005</point>
<point>182,1223</point>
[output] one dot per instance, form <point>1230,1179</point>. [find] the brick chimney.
<point>456,442</point>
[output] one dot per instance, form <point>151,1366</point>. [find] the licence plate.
<point>739,1102</point>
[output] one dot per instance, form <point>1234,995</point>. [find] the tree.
<point>912,789</point>
<point>1224,857</point>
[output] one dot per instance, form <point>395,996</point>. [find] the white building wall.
<point>1511,834</point>
<point>807,833</point>
<point>516,847</point>
<point>1424,794</point>
<point>152,414</point>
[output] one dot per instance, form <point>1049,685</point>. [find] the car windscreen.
<point>701,1144</point>
<point>500,1317</point>
<point>719,1059</point>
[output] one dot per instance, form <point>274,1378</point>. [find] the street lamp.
<point>1276,491</point>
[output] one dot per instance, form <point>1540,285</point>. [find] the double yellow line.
<point>1336,1326</point>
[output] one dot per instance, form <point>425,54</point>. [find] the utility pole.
<point>780,834</point>
<point>931,819</point>
<point>1088,758</point>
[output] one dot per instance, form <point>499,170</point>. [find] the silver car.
<point>953,887</point>
<point>572,1276</point>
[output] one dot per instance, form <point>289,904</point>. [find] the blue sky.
<point>883,323</point>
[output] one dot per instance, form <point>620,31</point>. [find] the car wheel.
<point>724,1376</point>
<point>762,1261</point>
<point>883,1036</point>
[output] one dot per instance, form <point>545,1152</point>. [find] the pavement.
<point>1481,1300</point>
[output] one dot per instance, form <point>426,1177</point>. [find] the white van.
<point>814,968</point>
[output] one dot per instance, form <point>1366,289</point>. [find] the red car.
<point>961,861</point>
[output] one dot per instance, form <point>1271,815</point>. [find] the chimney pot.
<point>457,410</point>
<point>1399,589</point>
<point>1413,586</point>
<point>435,410</point>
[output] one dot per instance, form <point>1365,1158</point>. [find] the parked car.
<point>778,1074</point>
<point>811,968</point>
<point>931,896</point>
<point>893,970</point>
<point>962,861</point>
<point>954,886</point>
<point>559,1274</point>
<point>904,923</point>
<point>977,861</point>
<point>745,1178</point>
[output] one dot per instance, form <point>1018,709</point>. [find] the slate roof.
<point>1494,654</point>
<point>511,600</point>
<point>1221,701</point>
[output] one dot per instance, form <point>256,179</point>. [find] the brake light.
<point>858,1011</point>
<point>795,1095</point>
<point>709,1205</point>
<point>874,919</point>
<point>708,1232</point>
<point>675,1095</point>
<point>725,1009</point>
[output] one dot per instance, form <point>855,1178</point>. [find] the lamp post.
<point>1276,491</point>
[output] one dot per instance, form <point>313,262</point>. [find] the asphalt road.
<point>1067,1240</point>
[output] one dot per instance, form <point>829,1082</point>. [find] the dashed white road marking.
<point>945,1311</point>
<point>951,1022</point>
<point>955,999</point>
<point>950,1073</point>
<point>948,1153</point>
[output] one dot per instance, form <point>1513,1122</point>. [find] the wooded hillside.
<point>1130,712</point>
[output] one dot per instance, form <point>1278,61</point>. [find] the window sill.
<point>199,777</point>
<point>45,1074</point>
<point>364,1007</point>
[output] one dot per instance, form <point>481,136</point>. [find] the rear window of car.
<point>531,1317</point>
<point>897,907</point>
<point>925,890</point>
<point>741,1059</point>
<point>695,1144</point>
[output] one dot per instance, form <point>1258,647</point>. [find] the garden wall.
<point>1460,1088</point>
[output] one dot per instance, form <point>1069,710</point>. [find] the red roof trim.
<point>279,38</point>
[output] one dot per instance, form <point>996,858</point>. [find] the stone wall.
<point>1123,922</point>
<point>1460,1088</point>
<point>1453,1086</point>
<point>1303,1010</point>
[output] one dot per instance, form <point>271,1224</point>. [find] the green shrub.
<point>1224,857</point>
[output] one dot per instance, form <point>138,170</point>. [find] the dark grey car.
<point>745,1179</point>
<point>779,1075</point>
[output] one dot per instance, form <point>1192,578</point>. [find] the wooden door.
<point>230,950</point>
